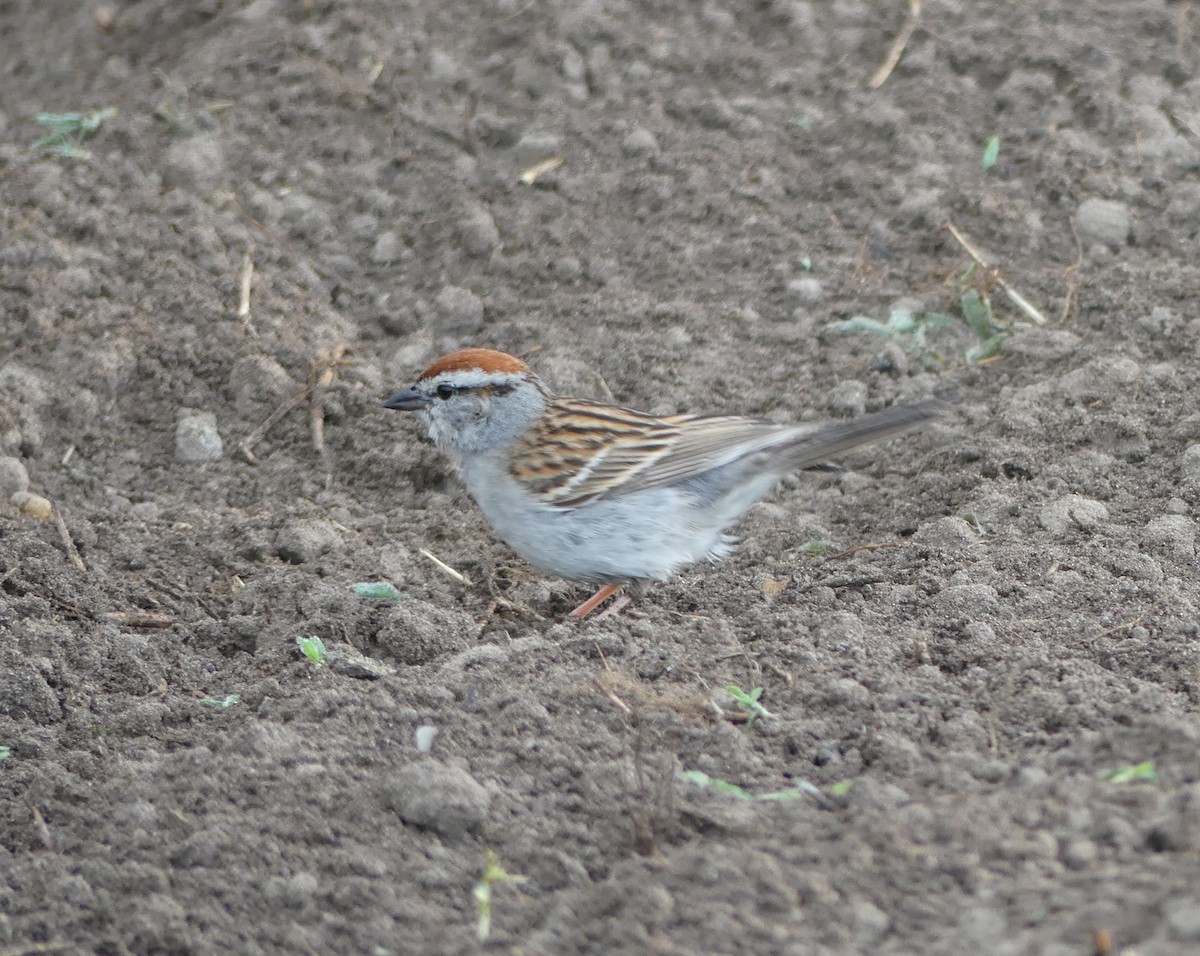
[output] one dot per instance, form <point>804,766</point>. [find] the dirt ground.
<point>1006,611</point>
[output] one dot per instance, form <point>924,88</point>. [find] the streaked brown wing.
<point>586,451</point>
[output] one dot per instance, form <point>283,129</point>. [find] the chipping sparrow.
<point>598,493</point>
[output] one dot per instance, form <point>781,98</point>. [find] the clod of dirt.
<point>387,248</point>
<point>478,232</point>
<point>433,796</point>
<point>639,142</point>
<point>197,440</point>
<point>196,164</point>
<point>1172,534</point>
<point>417,633</point>
<point>1191,462</point>
<point>458,311</point>
<point>13,477</point>
<point>1103,222</point>
<point>1072,512</point>
<point>302,541</point>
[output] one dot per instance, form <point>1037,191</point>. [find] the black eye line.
<point>446,391</point>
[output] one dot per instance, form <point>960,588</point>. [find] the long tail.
<point>813,447</point>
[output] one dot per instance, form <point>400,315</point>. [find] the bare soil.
<point>1007,609</point>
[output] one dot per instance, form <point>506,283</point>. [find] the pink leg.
<point>594,602</point>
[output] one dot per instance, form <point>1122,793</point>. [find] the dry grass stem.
<point>245,281</point>
<point>531,175</point>
<point>68,541</point>
<point>1032,313</point>
<point>898,45</point>
<point>446,569</point>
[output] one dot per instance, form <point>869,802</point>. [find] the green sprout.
<point>378,590</point>
<point>1132,773</point>
<point>701,779</point>
<point>493,875</point>
<point>911,331</point>
<point>990,153</point>
<point>814,548</point>
<point>69,130</point>
<point>5,752</point>
<point>313,648</point>
<point>841,788</point>
<point>749,703</point>
<point>221,703</point>
<point>907,330</point>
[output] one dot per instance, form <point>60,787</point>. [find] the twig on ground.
<point>68,541</point>
<point>245,280</point>
<point>446,569</point>
<point>1032,313</point>
<point>320,377</point>
<point>898,45</point>
<point>246,446</point>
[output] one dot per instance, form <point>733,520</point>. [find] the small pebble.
<point>1183,919</point>
<point>1172,534</point>
<point>196,164</point>
<point>197,440</point>
<point>14,477</point>
<point>433,796</point>
<point>806,290</point>
<point>535,147</point>
<point>303,541</point>
<point>1103,222</point>
<point>1191,462</point>
<point>566,268</point>
<point>640,142</point>
<point>1072,512</point>
<point>387,248</point>
<point>848,399</point>
<point>33,505</point>
<point>424,736</point>
<point>457,311</point>
<point>478,232</point>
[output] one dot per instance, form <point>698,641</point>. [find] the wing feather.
<point>587,451</point>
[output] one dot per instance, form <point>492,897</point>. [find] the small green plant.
<point>69,130</point>
<point>701,779</point>
<point>911,331</point>
<point>5,752</point>
<point>377,590</point>
<point>749,703</point>
<point>494,875</point>
<point>814,548</point>
<point>991,153</point>
<point>841,788</point>
<point>1143,772</point>
<point>221,703</point>
<point>313,648</point>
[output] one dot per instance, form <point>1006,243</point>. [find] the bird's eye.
<point>445,391</point>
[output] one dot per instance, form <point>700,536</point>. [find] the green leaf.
<point>978,313</point>
<point>990,152</point>
<point>985,349</point>
<point>814,548</point>
<point>379,590</point>
<point>313,648</point>
<point>221,703</point>
<point>902,322</point>
<point>5,752</point>
<point>1132,773</point>
<point>841,788</point>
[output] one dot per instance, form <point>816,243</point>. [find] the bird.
<point>599,493</point>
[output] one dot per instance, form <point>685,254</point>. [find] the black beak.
<point>410,400</point>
